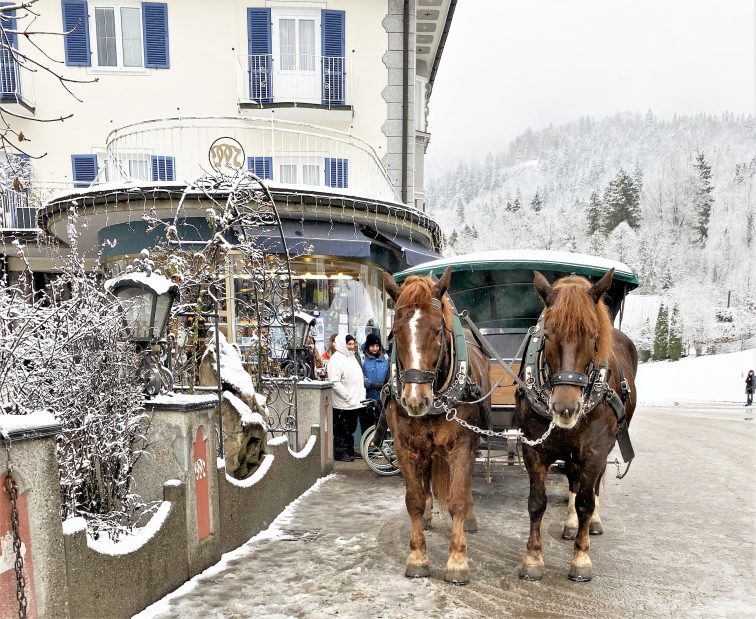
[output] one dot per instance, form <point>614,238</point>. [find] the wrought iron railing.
<point>15,81</point>
<point>16,211</point>
<point>301,78</point>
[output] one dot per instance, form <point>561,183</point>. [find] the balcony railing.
<point>15,211</point>
<point>16,84</point>
<point>286,152</point>
<point>298,78</point>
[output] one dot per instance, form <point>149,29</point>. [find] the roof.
<point>537,260</point>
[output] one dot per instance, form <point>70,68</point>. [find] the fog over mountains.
<point>673,199</point>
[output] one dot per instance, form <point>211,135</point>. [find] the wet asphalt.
<point>678,540</point>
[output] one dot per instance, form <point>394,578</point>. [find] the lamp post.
<point>146,298</point>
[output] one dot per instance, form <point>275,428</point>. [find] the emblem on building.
<point>226,156</point>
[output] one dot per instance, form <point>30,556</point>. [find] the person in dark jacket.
<point>750,382</point>
<point>375,368</point>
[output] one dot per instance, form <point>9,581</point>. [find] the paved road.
<point>678,541</point>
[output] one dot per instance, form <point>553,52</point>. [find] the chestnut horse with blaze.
<point>435,455</point>
<point>590,396</point>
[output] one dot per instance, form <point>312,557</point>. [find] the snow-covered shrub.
<point>65,351</point>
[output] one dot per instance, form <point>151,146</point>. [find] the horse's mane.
<point>575,314</point>
<point>418,291</point>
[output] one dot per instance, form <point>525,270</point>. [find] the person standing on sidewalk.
<point>750,382</point>
<point>375,366</point>
<point>345,373</point>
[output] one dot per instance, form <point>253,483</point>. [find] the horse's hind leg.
<point>532,562</point>
<point>570,529</point>
<point>594,526</point>
<point>428,513</point>
<point>471,522</point>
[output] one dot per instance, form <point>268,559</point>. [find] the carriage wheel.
<point>375,459</point>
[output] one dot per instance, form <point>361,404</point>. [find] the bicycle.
<point>380,460</point>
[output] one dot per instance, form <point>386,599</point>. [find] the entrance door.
<point>296,53</point>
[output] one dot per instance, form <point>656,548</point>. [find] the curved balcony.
<point>293,154</point>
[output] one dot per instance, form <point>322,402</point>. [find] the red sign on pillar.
<point>201,486</point>
<point>8,600</point>
<point>326,438</point>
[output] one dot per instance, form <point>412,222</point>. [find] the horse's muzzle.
<point>565,406</point>
<point>416,406</point>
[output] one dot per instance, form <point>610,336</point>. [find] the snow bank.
<point>707,379</point>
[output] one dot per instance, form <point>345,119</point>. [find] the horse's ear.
<point>543,288</point>
<point>601,286</point>
<point>443,283</point>
<point>390,285</point>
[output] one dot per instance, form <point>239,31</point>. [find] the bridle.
<point>424,377</point>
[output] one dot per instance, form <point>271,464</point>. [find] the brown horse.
<point>434,452</point>
<point>578,340</point>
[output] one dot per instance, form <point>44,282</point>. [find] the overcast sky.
<point>513,64</point>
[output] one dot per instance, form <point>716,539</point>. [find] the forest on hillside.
<point>672,199</point>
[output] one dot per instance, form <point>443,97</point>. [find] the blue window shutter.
<point>163,168</point>
<point>259,48</point>
<point>332,25</point>
<point>8,75</point>
<point>336,172</point>
<point>84,169</point>
<point>261,166</point>
<point>76,42</point>
<point>155,27</point>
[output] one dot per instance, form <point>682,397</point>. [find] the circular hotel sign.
<point>226,156</point>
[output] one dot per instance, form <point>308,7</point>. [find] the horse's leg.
<point>460,464</point>
<point>594,526</point>
<point>417,483</point>
<point>569,531</point>
<point>428,513</point>
<point>471,522</point>
<point>532,562</point>
<point>581,569</point>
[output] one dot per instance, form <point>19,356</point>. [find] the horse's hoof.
<point>580,574</point>
<point>531,573</point>
<point>427,524</point>
<point>471,525</point>
<point>457,577</point>
<point>417,571</point>
<point>595,528</point>
<point>569,533</point>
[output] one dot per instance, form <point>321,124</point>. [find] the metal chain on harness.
<point>12,489</point>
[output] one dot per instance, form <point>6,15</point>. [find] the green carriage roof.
<point>536,260</point>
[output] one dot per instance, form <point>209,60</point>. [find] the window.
<point>163,168</point>
<point>261,166</point>
<point>311,175</point>
<point>336,172</point>
<point>118,36</point>
<point>288,174</point>
<point>297,44</point>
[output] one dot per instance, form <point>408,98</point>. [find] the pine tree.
<point>515,205</point>
<point>536,203</point>
<point>594,214</point>
<point>675,335</point>
<point>661,335</point>
<point>702,197</point>
<point>621,202</point>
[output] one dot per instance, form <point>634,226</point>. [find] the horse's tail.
<point>440,481</point>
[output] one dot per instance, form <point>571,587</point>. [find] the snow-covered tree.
<point>661,335</point>
<point>702,197</point>
<point>536,203</point>
<point>594,216</point>
<point>621,202</point>
<point>675,347</point>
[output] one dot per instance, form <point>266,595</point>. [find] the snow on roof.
<point>13,424</point>
<point>528,255</point>
<point>159,283</point>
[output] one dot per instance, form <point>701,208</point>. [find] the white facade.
<point>133,114</point>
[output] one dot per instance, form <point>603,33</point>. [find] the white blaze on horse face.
<point>414,352</point>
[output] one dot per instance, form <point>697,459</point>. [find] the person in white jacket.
<point>345,372</point>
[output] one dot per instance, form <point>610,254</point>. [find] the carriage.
<point>496,289</point>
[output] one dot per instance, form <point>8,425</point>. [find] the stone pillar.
<point>315,407</point>
<point>35,471</point>
<point>183,444</point>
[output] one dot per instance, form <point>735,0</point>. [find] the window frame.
<point>116,6</point>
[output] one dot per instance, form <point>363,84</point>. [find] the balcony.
<point>16,84</point>
<point>15,211</point>
<point>298,79</point>
<point>287,153</point>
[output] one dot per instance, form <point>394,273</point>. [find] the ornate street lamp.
<point>146,298</point>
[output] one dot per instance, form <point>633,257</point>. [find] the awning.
<point>325,237</point>
<point>413,252</point>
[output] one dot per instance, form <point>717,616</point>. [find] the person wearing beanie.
<point>375,368</point>
<point>345,374</point>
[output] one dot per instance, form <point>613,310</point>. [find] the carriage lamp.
<point>146,298</point>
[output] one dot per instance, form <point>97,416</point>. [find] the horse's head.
<point>577,333</point>
<point>420,317</point>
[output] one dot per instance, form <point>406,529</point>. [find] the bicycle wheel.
<point>381,462</point>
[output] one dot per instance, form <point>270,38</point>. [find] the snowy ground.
<point>707,379</point>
